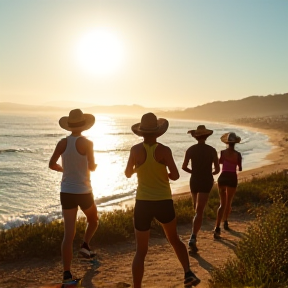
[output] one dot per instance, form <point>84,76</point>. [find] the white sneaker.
<point>87,253</point>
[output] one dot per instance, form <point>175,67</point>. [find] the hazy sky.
<point>155,53</point>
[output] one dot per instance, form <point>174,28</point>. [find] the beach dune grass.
<point>261,257</point>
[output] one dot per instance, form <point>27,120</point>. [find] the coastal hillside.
<point>7,107</point>
<point>253,106</point>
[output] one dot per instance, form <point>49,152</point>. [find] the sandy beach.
<point>162,269</point>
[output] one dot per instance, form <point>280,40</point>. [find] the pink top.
<point>229,166</point>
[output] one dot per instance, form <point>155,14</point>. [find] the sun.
<point>100,52</point>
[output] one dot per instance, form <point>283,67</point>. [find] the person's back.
<point>153,181</point>
<point>76,175</point>
<point>202,158</point>
<point>230,159</point>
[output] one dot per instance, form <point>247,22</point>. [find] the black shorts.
<point>228,179</point>
<point>145,211</point>
<point>201,184</point>
<point>70,200</point>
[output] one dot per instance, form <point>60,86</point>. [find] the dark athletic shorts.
<point>201,185</point>
<point>70,200</point>
<point>145,211</point>
<point>228,179</point>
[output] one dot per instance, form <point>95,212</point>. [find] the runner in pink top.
<point>227,181</point>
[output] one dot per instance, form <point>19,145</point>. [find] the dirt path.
<point>113,266</point>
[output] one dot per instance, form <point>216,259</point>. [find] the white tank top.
<point>76,175</point>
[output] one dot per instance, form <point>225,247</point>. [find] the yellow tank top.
<point>153,181</point>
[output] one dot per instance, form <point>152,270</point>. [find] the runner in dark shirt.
<point>202,157</point>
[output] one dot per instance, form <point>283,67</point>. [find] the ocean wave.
<point>19,150</point>
<point>13,222</point>
<point>33,135</point>
<point>9,222</point>
<point>112,150</point>
<point>107,200</point>
<point>120,133</point>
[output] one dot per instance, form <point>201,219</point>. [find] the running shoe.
<point>217,232</point>
<point>190,279</point>
<point>226,227</point>
<point>192,245</point>
<point>87,253</point>
<point>67,277</point>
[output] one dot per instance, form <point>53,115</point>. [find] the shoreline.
<point>278,158</point>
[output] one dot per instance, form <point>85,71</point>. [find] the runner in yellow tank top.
<point>150,160</point>
<point>153,181</point>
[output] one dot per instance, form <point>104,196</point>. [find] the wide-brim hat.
<point>230,137</point>
<point>150,125</point>
<point>200,131</point>
<point>77,120</point>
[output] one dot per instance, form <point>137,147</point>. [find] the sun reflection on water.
<point>111,152</point>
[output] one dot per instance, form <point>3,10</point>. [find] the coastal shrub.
<point>262,190</point>
<point>184,209</point>
<point>114,227</point>
<point>44,239</point>
<point>261,257</point>
<point>210,211</point>
<point>39,239</point>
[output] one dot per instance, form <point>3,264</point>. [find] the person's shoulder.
<point>84,140</point>
<point>163,147</point>
<point>192,147</point>
<point>90,142</point>
<point>62,141</point>
<point>137,147</point>
<point>61,145</point>
<point>210,147</point>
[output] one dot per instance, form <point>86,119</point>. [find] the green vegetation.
<point>261,258</point>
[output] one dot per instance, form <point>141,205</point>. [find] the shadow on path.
<point>202,262</point>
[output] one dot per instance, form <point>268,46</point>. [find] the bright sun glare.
<point>100,52</point>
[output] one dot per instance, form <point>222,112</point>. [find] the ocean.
<point>29,190</point>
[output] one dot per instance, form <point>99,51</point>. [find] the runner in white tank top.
<point>77,161</point>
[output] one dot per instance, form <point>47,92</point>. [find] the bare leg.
<point>202,199</point>
<point>230,194</point>
<point>178,246</point>
<point>194,200</point>
<point>221,209</point>
<point>69,233</point>
<point>142,239</point>
<point>92,222</point>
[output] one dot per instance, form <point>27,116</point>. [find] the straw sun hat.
<point>200,131</point>
<point>77,121</point>
<point>230,137</point>
<point>150,125</point>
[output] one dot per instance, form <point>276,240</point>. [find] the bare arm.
<point>185,163</point>
<point>90,156</point>
<point>60,148</point>
<point>240,162</point>
<point>173,171</point>
<point>130,168</point>
<point>216,163</point>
